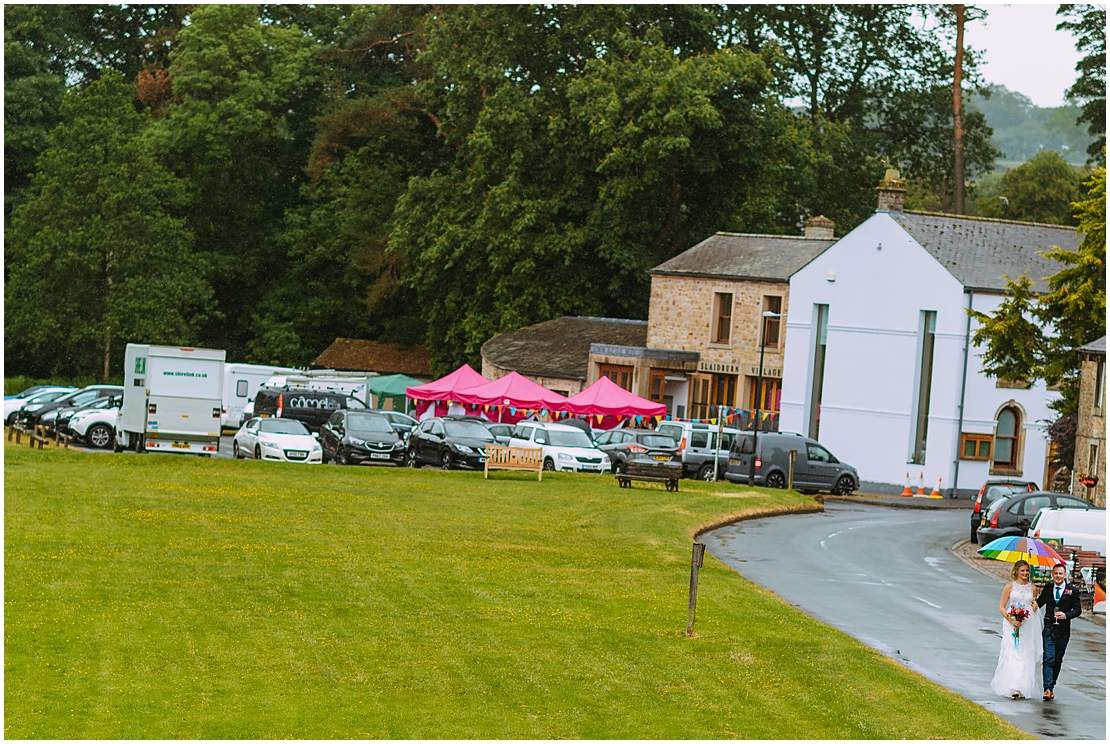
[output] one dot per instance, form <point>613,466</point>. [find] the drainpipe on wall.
<point>963,390</point>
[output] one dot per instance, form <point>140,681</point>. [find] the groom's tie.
<point>1057,594</point>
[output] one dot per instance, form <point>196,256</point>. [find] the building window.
<point>658,383</point>
<point>724,390</point>
<point>1100,382</point>
<point>772,393</point>
<point>619,374</point>
<point>699,396</point>
<point>772,325</point>
<point>975,446</point>
<point>820,341</point>
<point>1006,439</point>
<point>924,385</point>
<point>1092,460</point>
<point>240,388</point>
<point>722,302</point>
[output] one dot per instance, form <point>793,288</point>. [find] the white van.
<point>1084,528</point>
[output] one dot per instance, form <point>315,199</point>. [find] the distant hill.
<point>1021,128</point>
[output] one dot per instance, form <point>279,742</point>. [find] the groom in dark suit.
<point>1061,602</point>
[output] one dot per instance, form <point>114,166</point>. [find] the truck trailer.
<point>172,400</point>
<point>241,382</point>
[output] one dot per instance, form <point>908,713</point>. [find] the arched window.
<point>1006,438</point>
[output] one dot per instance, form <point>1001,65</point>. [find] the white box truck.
<point>355,385</point>
<point>241,382</point>
<point>172,400</point>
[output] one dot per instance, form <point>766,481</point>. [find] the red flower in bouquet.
<point>1020,614</point>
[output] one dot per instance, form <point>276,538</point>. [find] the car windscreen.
<point>282,426</point>
<point>657,441</point>
<point>369,422</point>
<point>467,430</point>
<point>996,506</point>
<point>47,397</point>
<point>503,430</point>
<point>569,439</point>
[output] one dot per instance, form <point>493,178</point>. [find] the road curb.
<point>896,504</point>
<point>817,508</point>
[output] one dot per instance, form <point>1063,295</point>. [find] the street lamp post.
<point>759,395</point>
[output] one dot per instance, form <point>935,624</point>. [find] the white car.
<point>12,406</point>
<point>565,448</point>
<point>280,439</point>
<point>96,426</point>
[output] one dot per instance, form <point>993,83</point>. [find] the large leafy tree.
<point>591,143</point>
<point>96,256</point>
<point>1088,24</point>
<point>1043,189</point>
<point>1035,337</point>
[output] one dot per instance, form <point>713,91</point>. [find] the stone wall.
<point>1091,429</point>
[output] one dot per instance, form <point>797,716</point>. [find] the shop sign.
<point>730,369</point>
<point>767,371</point>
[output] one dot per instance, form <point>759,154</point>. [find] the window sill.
<point>1005,471</point>
<point>1096,412</point>
<point>719,345</point>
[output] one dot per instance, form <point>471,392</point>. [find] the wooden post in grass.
<point>695,564</point>
<point>790,475</point>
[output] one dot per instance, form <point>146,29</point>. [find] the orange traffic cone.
<point>920,485</point>
<point>906,491</point>
<point>935,493</point>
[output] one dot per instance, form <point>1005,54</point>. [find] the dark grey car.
<point>815,468</point>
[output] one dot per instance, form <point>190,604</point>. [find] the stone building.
<point>1090,432</point>
<point>703,331</point>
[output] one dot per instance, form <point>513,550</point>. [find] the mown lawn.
<point>162,597</point>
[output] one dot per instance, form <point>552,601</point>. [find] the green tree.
<point>1043,189</point>
<point>587,149</point>
<point>1088,24</point>
<point>96,257</point>
<point>1035,337</point>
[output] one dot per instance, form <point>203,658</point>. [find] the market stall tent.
<point>608,405</point>
<point>392,388</point>
<point>442,391</point>
<point>510,399</point>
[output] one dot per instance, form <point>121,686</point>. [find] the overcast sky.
<point>1023,51</point>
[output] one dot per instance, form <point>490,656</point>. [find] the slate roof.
<point>359,355</point>
<point>1098,346</point>
<point>978,250</point>
<point>746,256</point>
<point>560,347</point>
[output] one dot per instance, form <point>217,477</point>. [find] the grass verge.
<point>164,597</point>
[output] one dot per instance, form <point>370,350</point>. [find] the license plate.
<point>662,457</point>
<point>591,467</point>
<point>180,445</point>
<point>379,456</point>
<point>481,459</point>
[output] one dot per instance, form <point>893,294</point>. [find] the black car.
<point>312,408</point>
<point>450,442</point>
<point>402,423</point>
<point>624,446</point>
<point>32,418</point>
<point>357,437</point>
<point>1012,515</point>
<point>993,490</point>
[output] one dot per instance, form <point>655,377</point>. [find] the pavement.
<point>904,502</point>
<point>886,576</point>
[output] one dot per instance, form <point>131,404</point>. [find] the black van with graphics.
<point>815,468</point>
<point>312,408</point>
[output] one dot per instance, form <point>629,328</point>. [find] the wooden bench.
<point>39,437</point>
<point>62,440</point>
<point>18,430</point>
<point>514,458</point>
<point>625,480</point>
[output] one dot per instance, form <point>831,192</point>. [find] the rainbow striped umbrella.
<point>1015,548</point>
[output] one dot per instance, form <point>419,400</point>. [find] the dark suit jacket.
<point>1069,605</point>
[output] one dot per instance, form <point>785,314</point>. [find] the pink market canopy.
<point>445,387</point>
<point>607,398</point>
<point>512,390</point>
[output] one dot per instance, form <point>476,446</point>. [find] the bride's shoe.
<point>1015,694</point>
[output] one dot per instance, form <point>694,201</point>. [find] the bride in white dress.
<point>1019,659</point>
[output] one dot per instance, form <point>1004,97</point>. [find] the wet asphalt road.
<point>885,576</point>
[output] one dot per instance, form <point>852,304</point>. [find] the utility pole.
<point>958,111</point>
<point>759,395</point>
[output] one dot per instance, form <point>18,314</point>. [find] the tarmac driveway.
<point>886,577</point>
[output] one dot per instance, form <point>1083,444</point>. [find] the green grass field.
<point>164,597</point>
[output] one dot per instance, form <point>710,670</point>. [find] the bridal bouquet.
<point>1020,614</point>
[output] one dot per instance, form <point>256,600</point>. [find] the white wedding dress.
<point>1019,659</point>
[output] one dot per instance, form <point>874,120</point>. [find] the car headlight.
<point>268,444</point>
<point>357,442</point>
<point>464,449</point>
<point>315,446</point>
<point>565,456</point>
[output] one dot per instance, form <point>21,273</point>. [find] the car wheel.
<point>706,473</point>
<point>100,436</point>
<point>445,461</point>
<point>548,464</point>
<point>257,452</point>
<point>410,459</point>
<point>341,457</point>
<point>618,467</point>
<point>776,480</point>
<point>235,451</point>
<point>845,486</point>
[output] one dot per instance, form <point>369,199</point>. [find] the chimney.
<point>892,192</point>
<point>819,227</point>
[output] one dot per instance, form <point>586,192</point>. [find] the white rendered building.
<point>876,362</point>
